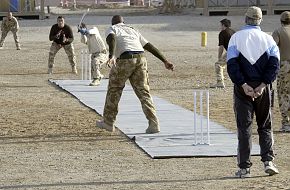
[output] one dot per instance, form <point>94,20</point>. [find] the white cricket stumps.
<point>86,65</point>
<point>199,136</point>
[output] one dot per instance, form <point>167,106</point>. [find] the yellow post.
<point>203,39</point>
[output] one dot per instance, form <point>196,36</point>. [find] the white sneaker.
<point>243,173</point>
<point>270,168</point>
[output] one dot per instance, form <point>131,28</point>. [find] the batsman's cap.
<point>285,16</point>
<point>254,13</point>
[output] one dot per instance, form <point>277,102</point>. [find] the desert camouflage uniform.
<point>283,90</point>
<point>69,50</point>
<point>282,37</point>
<point>97,59</point>
<point>10,25</point>
<point>135,70</point>
<point>128,45</point>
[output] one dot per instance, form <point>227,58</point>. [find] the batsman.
<point>97,49</point>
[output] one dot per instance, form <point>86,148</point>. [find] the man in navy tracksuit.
<point>252,64</point>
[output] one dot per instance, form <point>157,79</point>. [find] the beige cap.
<point>254,13</point>
<point>285,16</point>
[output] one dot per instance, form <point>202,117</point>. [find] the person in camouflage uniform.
<point>10,23</point>
<point>61,36</point>
<point>282,38</point>
<point>127,61</point>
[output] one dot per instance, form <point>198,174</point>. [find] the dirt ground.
<point>48,139</point>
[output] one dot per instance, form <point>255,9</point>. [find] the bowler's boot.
<point>152,129</point>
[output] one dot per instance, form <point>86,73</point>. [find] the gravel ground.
<point>48,139</point>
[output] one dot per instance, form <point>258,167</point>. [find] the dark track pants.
<point>245,108</point>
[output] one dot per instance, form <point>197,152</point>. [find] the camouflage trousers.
<point>220,66</point>
<point>135,70</point>
<point>15,36</point>
<point>283,90</point>
<point>97,59</point>
<point>69,50</point>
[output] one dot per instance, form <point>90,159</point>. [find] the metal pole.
<point>207,107</point>
<point>86,65</point>
<point>201,117</point>
<point>89,63</point>
<point>82,62</point>
<point>194,108</point>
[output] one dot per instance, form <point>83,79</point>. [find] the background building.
<point>23,8</point>
<point>40,8</point>
<point>232,7</point>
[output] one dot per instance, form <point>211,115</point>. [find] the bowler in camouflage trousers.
<point>127,61</point>
<point>282,38</point>
<point>10,23</point>
<point>61,36</point>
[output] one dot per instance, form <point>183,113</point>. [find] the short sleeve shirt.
<point>225,36</point>
<point>282,38</point>
<point>127,38</point>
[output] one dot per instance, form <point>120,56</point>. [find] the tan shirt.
<point>282,38</point>
<point>127,38</point>
<point>94,41</point>
<point>11,24</point>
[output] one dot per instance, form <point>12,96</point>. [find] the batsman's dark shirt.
<point>65,31</point>
<point>225,36</point>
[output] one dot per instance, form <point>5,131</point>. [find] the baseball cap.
<point>254,13</point>
<point>285,16</point>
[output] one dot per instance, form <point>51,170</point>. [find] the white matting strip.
<point>176,138</point>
